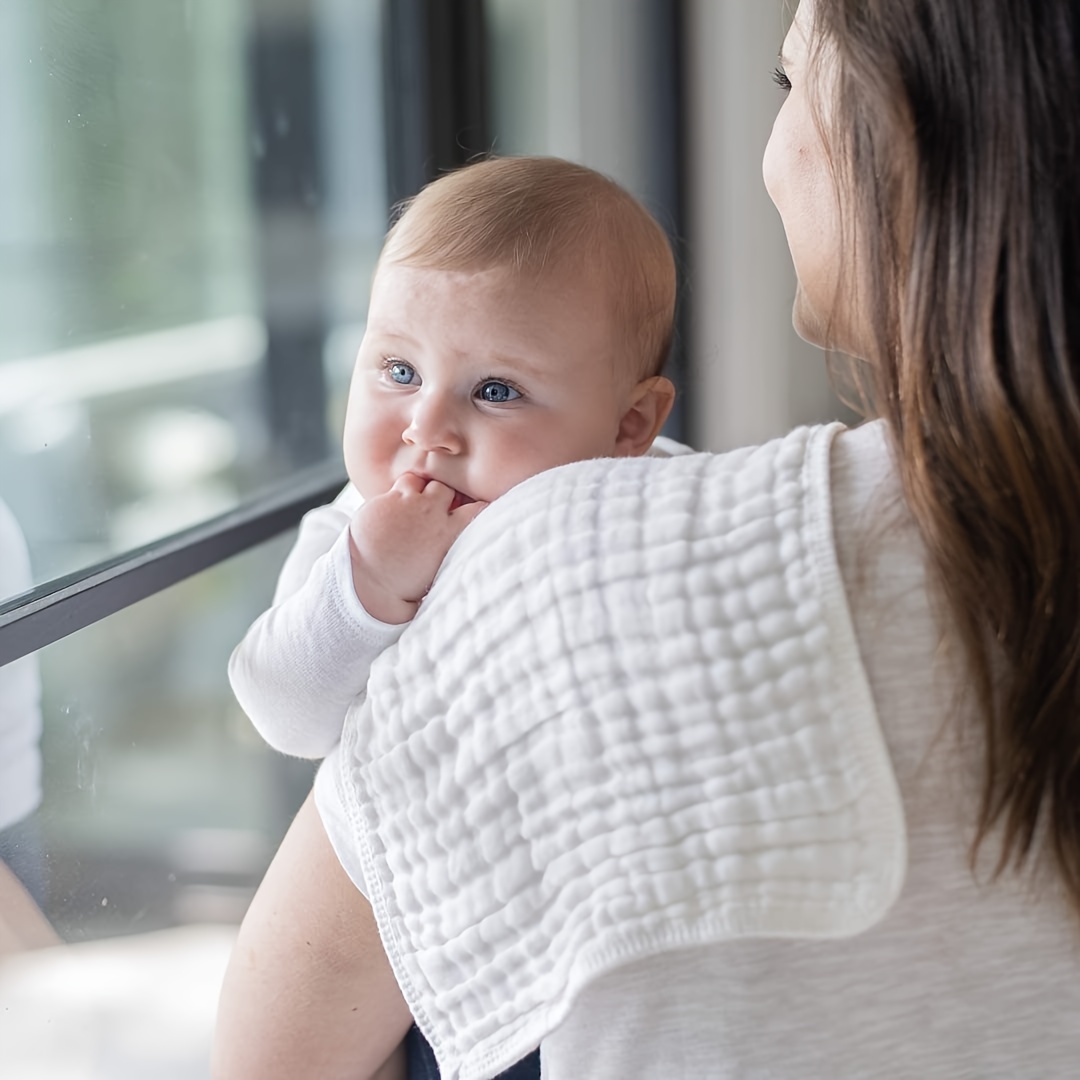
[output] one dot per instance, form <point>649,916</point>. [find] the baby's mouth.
<point>459,499</point>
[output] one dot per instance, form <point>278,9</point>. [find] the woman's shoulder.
<point>664,447</point>
<point>862,457</point>
<point>872,523</point>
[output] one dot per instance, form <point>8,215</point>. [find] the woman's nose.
<point>433,426</point>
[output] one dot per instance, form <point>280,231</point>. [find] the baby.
<point>521,314</point>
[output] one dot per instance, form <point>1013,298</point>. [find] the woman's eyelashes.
<point>780,77</point>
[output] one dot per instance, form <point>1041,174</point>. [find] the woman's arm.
<point>309,990</point>
<point>22,925</point>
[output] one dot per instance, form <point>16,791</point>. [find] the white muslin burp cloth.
<point>629,717</point>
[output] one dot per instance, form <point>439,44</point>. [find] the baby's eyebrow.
<point>389,333</point>
<point>519,364</point>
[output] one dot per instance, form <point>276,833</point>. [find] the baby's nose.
<point>434,427</point>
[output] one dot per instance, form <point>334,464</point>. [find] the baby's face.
<point>480,380</point>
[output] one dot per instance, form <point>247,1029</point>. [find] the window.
<point>193,198</point>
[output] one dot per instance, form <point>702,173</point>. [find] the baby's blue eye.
<point>401,372</point>
<point>496,391</point>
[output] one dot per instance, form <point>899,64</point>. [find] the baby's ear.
<point>650,403</point>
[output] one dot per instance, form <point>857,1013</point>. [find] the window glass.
<point>191,202</point>
<point>158,811</point>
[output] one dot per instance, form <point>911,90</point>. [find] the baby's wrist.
<point>379,602</point>
<point>389,610</point>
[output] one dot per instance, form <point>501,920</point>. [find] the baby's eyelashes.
<point>497,391</point>
<point>490,389</point>
<point>400,372</point>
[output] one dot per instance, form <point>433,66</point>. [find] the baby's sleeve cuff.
<point>376,633</point>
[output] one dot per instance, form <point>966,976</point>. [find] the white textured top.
<point>961,979</point>
<point>20,693</point>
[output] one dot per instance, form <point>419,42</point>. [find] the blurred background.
<point>192,198</point>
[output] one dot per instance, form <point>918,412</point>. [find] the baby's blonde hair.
<point>539,216</point>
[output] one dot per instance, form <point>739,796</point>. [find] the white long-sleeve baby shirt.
<point>306,659</point>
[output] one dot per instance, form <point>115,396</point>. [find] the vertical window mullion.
<point>436,89</point>
<point>291,263</point>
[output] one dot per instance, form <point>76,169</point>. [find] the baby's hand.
<point>398,542</point>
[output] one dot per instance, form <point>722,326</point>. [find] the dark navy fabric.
<point>422,1064</point>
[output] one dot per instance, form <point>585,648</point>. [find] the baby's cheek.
<point>515,469</point>
<point>367,469</point>
<point>352,449</point>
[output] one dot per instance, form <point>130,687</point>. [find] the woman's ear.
<point>650,403</point>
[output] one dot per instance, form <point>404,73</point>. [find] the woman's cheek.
<point>789,181</point>
<point>771,165</point>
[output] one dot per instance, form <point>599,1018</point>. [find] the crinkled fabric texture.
<point>630,717</point>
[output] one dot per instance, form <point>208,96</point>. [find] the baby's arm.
<point>346,591</point>
<point>305,659</point>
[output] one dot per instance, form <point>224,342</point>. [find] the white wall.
<point>753,377</point>
<point>571,78</point>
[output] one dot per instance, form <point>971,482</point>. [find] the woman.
<point>920,918</point>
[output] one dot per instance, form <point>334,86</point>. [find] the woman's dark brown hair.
<point>955,136</point>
